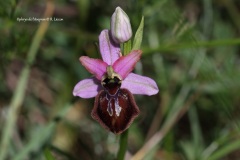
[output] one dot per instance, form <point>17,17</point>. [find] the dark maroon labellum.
<point>114,108</point>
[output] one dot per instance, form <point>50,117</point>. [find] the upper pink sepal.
<point>95,66</point>
<point>137,84</point>
<point>109,50</point>
<point>87,88</point>
<point>125,64</point>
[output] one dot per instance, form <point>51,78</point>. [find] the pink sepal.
<point>137,84</point>
<point>87,88</point>
<point>110,51</point>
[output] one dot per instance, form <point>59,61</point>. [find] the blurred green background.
<point>190,48</point>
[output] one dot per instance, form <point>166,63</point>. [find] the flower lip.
<point>115,113</point>
<point>111,86</point>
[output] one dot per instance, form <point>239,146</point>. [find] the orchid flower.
<point>113,85</point>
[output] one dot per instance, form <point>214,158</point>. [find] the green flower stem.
<point>18,96</point>
<point>124,136</point>
<point>127,47</point>
<point>123,145</point>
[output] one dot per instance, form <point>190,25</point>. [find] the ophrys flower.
<point>113,85</point>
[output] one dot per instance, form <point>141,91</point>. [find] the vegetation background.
<point>190,47</point>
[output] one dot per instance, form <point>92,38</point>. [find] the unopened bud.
<point>120,26</point>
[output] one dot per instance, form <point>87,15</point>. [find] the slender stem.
<point>127,47</point>
<point>123,145</point>
<point>124,136</point>
<point>18,96</point>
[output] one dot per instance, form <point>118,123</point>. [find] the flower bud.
<point>120,26</point>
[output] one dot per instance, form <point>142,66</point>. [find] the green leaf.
<point>225,150</point>
<point>196,133</point>
<point>41,136</point>
<point>48,154</point>
<point>38,139</point>
<point>138,36</point>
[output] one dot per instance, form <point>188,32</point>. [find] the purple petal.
<point>109,50</point>
<point>125,64</point>
<point>94,66</point>
<point>137,84</point>
<point>87,88</point>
